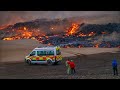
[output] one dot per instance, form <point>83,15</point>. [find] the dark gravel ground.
<point>95,66</point>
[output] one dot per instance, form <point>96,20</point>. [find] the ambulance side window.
<point>39,53</point>
<point>50,53</point>
<point>44,52</point>
<point>33,53</point>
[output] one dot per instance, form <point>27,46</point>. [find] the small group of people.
<point>70,67</point>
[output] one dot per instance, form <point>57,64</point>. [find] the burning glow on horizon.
<point>20,33</point>
<point>25,33</point>
<point>39,35</point>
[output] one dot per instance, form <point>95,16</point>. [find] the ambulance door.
<point>32,55</point>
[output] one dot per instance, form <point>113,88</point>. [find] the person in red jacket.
<point>72,66</point>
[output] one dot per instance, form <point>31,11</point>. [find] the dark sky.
<point>12,17</point>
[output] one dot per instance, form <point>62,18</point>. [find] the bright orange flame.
<point>96,45</point>
<point>27,34</point>
<point>33,38</point>
<point>91,34</point>
<point>82,35</point>
<point>25,28</point>
<point>8,39</point>
<point>72,29</point>
<point>47,37</point>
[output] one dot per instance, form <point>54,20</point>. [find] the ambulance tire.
<point>59,62</point>
<point>29,62</point>
<point>55,63</point>
<point>49,62</point>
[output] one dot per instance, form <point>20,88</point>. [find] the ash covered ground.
<point>91,63</point>
<point>96,66</point>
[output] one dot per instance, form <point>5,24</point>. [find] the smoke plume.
<point>12,17</point>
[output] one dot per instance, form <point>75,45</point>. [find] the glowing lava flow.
<point>72,29</point>
<point>20,34</point>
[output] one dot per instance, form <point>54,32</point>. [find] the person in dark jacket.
<point>114,65</point>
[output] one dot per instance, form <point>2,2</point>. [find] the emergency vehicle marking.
<point>45,57</point>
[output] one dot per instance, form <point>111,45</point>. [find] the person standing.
<point>72,66</point>
<point>68,66</point>
<point>114,65</point>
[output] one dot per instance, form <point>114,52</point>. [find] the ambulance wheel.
<point>55,63</point>
<point>29,62</point>
<point>59,62</point>
<point>49,62</point>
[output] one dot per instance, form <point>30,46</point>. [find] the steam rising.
<point>110,37</point>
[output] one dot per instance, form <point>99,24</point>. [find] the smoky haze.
<point>12,17</point>
<point>111,37</point>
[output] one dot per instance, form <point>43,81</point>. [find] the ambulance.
<point>44,55</point>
